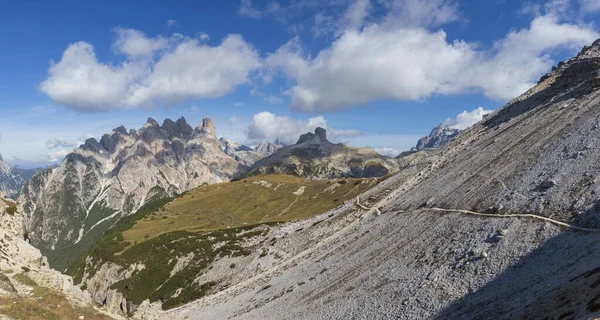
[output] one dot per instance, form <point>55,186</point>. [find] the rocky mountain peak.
<point>592,51</point>
<point>92,145</point>
<point>320,133</point>
<point>208,127</point>
<point>438,137</point>
<point>266,148</point>
<point>120,129</point>
<point>151,123</point>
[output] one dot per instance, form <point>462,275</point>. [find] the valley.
<point>166,251</point>
<point>319,197</point>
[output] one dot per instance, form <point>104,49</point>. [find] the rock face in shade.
<point>313,156</point>
<point>71,205</point>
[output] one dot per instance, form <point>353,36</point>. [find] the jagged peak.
<point>120,129</point>
<point>319,132</point>
<point>592,51</point>
<point>151,122</point>
<point>208,127</point>
<point>168,125</point>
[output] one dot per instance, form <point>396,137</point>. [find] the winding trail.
<point>517,215</point>
<point>492,215</point>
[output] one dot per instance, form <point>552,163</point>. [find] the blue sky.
<point>378,73</point>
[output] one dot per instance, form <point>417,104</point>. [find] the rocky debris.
<point>313,156</point>
<point>547,184</point>
<point>506,159</point>
<point>71,205</point>
<point>383,267</point>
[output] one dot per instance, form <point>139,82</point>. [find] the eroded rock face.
<point>18,257</point>
<point>313,156</point>
<point>71,205</point>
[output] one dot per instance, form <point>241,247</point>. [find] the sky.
<point>376,73</point>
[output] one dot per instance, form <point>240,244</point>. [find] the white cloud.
<point>192,109</point>
<point>135,44</point>
<point>57,156</point>
<point>172,23</point>
<point>589,6</point>
<point>421,13</point>
<point>233,120</point>
<point>183,68</point>
<point>62,143</point>
<point>390,152</point>
<point>204,36</point>
<point>268,126</point>
<point>246,10</point>
<point>466,119</point>
<point>239,104</point>
<point>274,100</point>
<point>412,63</point>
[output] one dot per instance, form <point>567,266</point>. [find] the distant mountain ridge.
<point>249,155</point>
<point>313,156</point>
<point>12,179</point>
<point>439,136</point>
<point>71,205</point>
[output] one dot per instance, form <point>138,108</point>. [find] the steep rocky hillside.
<point>313,156</point>
<point>174,251</point>
<point>70,206</point>
<point>489,227</point>
<point>29,289</point>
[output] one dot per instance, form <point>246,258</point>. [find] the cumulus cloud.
<point>425,13</point>
<point>466,119</point>
<point>390,152</point>
<point>134,43</point>
<point>269,126</point>
<point>247,10</point>
<point>57,156</point>
<point>155,69</point>
<point>61,143</point>
<point>390,62</point>
<point>589,6</point>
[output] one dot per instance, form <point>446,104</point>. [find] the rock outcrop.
<point>21,262</point>
<point>70,206</point>
<point>313,156</point>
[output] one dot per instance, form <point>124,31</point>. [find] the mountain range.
<point>313,156</point>
<point>12,179</point>
<point>499,221</point>
<point>70,206</point>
